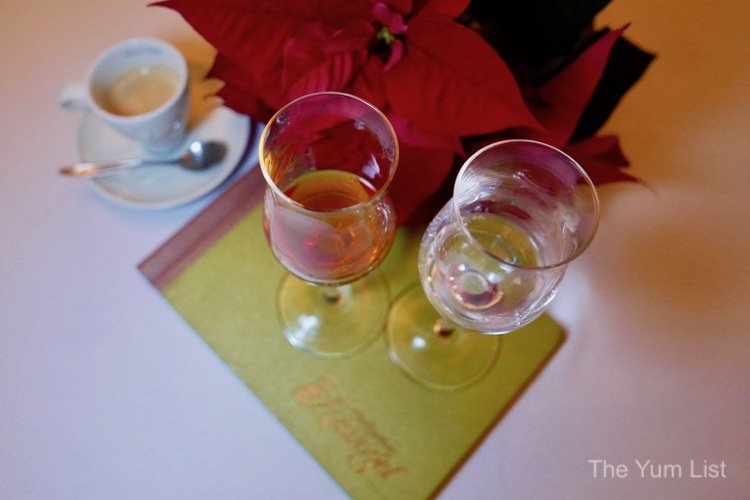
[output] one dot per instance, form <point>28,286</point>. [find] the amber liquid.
<point>329,190</point>
<point>341,233</point>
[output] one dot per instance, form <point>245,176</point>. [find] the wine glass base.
<point>447,358</point>
<point>336,321</point>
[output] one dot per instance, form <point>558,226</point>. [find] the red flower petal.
<point>567,94</point>
<point>409,134</point>
<point>250,33</point>
<point>368,83</point>
<point>240,92</point>
<point>253,33</point>
<point>403,7</point>
<point>420,174</point>
<point>243,93</point>
<point>460,87</point>
<point>321,58</point>
<point>602,159</point>
<point>450,8</point>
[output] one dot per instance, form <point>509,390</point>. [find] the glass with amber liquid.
<point>328,159</point>
<point>491,260</point>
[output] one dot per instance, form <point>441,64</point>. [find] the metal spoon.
<point>198,156</point>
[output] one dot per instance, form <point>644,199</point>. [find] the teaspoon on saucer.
<point>199,155</point>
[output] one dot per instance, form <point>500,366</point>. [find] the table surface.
<point>105,391</point>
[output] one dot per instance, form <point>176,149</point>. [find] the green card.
<point>377,432</point>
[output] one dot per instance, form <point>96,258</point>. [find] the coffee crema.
<point>140,90</point>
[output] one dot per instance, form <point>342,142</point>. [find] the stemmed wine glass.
<point>328,159</point>
<point>491,260</point>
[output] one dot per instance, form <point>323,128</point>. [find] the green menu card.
<point>378,433</point>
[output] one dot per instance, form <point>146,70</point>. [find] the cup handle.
<point>73,97</point>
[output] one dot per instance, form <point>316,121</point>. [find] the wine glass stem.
<point>331,294</point>
<point>443,328</point>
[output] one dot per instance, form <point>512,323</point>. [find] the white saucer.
<point>165,186</point>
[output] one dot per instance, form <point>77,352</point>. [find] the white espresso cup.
<point>140,88</point>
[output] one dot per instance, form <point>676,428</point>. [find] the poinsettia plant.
<point>451,75</point>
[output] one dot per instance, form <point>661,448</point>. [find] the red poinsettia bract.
<point>438,81</point>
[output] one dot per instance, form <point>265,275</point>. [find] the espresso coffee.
<point>139,90</point>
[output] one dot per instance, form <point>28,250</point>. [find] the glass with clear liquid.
<point>492,259</point>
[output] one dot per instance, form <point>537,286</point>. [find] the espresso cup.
<point>140,88</point>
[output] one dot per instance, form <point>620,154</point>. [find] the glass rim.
<point>576,166</point>
<point>277,191</point>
